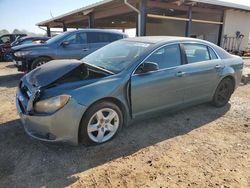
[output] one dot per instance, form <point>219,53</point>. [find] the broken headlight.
<point>52,104</point>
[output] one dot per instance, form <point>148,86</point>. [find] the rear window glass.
<point>97,37</point>
<point>26,41</point>
<point>212,53</point>
<point>196,53</point>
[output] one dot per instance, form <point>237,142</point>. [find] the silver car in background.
<point>92,99</point>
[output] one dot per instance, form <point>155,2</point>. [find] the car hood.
<point>51,71</point>
<point>27,46</point>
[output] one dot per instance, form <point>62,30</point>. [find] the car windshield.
<point>56,38</point>
<point>116,56</point>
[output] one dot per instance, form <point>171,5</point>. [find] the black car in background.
<point>5,44</point>
<point>68,45</point>
<point>7,52</point>
<point>29,40</point>
<point>9,38</point>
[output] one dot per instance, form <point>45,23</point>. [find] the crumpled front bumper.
<point>61,126</point>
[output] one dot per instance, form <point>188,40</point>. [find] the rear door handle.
<point>180,74</point>
<point>85,49</point>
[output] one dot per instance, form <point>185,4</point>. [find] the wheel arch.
<point>113,100</point>
<point>229,72</point>
<point>231,77</point>
<point>42,56</point>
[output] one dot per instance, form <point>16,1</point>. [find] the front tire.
<point>223,92</point>
<point>101,123</point>
<point>39,62</point>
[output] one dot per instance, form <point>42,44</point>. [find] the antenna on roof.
<point>51,14</point>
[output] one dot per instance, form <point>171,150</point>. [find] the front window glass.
<point>57,38</point>
<point>116,56</point>
<point>196,52</point>
<point>166,57</point>
<point>77,38</point>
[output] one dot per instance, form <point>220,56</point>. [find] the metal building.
<point>206,19</point>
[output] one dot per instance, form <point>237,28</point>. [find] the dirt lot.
<point>197,147</point>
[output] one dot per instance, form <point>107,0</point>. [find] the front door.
<point>76,46</point>
<point>159,89</point>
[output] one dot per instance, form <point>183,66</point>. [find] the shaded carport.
<point>149,17</point>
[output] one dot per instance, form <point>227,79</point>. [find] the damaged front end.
<point>52,80</point>
<point>26,97</point>
<point>44,97</point>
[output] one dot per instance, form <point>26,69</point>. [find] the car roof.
<point>97,30</point>
<point>160,40</point>
<point>36,37</point>
<point>164,39</point>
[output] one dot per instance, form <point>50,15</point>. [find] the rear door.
<point>76,48</point>
<point>160,89</point>
<point>202,72</point>
<point>97,40</point>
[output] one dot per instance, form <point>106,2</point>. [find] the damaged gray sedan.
<point>92,99</point>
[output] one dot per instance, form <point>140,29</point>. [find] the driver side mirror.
<point>147,67</point>
<point>65,43</point>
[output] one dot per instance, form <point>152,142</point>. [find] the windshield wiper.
<point>100,68</point>
<point>104,69</point>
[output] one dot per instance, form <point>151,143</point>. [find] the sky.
<point>24,14</point>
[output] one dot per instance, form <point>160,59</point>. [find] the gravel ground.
<point>201,146</point>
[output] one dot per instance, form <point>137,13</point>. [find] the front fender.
<point>116,88</point>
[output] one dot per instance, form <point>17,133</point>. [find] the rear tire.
<point>223,92</point>
<point>101,123</point>
<point>39,61</point>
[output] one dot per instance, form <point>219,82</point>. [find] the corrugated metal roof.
<point>226,3</point>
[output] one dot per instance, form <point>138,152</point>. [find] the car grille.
<point>24,97</point>
<point>25,91</point>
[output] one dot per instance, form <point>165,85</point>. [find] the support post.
<point>91,20</point>
<point>137,26</point>
<point>189,22</point>
<point>220,30</point>
<point>64,27</point>
<point>48,31</point>
<point>143,17</point>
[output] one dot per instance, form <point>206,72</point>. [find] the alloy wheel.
<point>224,92</point>
<point>40,63</point>
<point>103,125</point>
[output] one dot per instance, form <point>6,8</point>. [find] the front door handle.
<point>218,67</point>
<point>180,74</point>
<point>85,49</point>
